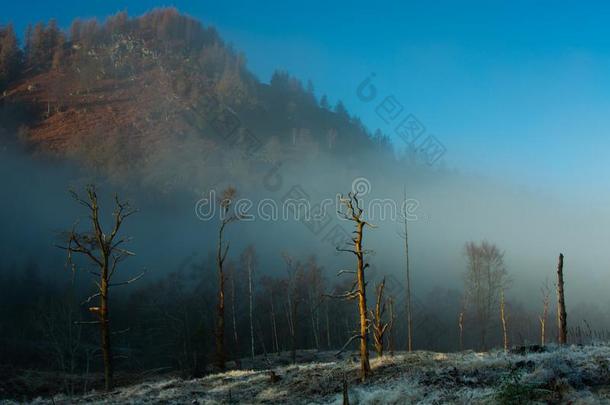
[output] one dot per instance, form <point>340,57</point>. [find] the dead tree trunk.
<point>353,212</point>
<point>294,296</point>
<point>391,327</point>
<point>105,251</point>
<point>379,327</point>
<point>408,302</point>
<point>561,304</point>
<point>365,367</point>
<point>251,299</point>
<point>221,254</point>
<point>234,317</point>
<point>328,341</point>
<point>291,312</point>
<point>274,325</point>
<point>545,309</point>
<point>503,318</point>
<point>105,331</point>
<point>220,322</point>
<point>313,315</point>
<point>345,391</point>
<point>461,327</point>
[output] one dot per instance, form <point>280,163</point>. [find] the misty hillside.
<point>163,90</point>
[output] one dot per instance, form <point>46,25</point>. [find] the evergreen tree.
<point>324,102</point>
<point>36,54</point>
<point>341,111</point>
<point>10,56</point>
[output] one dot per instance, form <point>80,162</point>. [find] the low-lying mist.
<point>449,209</point>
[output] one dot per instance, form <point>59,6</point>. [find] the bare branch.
<point>88,300</point>
<point>348,343</point>
<point>136,278</point>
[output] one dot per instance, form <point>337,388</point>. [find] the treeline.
<point>46,46</point>
<point>167,325</point>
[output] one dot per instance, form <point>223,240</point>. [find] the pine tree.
<point>324,102</point>
<point>58,54</point>
<point>75,30</point>
<point>27,50</point>
<point>36,54</point>
<point>10,56</point>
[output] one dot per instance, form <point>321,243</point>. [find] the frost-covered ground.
<point>566,375</point>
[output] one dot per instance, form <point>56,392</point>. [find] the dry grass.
<point>574,374</point>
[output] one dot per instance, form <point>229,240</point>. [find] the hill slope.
<point>567,375</point>
<point>162,90</point>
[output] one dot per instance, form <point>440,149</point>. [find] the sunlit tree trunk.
<point>545,309</point>
<point>353,212</point>
<point>503,318</point>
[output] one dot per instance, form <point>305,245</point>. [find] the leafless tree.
<point>249,262</point>
<point>314,297</point>
<point>104,251</point>
<point>232,277</point>
<point>226,199</point>
<point>485,278</point>
<point>546,292</point>
<point>379,325</point>
<point>461,328</point>
<point>561,304</point>
<point>391,327</point>
<point>294,296</point>
<point>503,319</point>
<point>327,313</point>
<point>408,276</point>
<point>352,211</point>
<point>58,323</point>
<point>271,287</point>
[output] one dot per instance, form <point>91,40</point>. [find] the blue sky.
<point>518,90</point>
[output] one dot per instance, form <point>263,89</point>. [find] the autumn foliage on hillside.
<point>119,95</point>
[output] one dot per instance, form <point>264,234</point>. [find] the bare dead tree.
<point>484,279</point>
<point>261,339</point>
<point>314,297</point>
<point>226,200</point>
<point>249,262</point>
<point>274,324</point>
<point>391,327</point>
<point>271,285</point>
<point>58,323</point>
<point>234,315</point>
<point>105,252</point>
<point>345,391</point>
<point>503,319</point>
<point>379,326</point>
<point>461,327</point>
<point>561,304</point>
<point>327,313</point>
<point>546,292</point>
<point>293,300</point>
<point>408,275</point>
<point>352,211</point>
